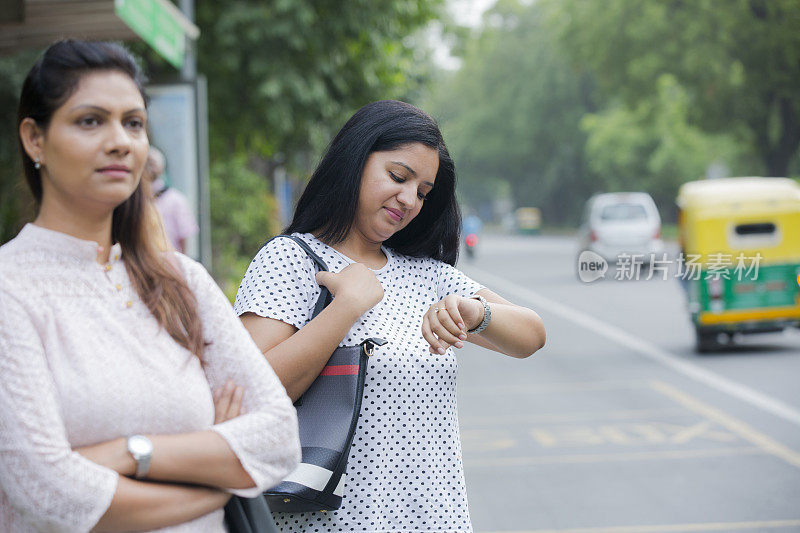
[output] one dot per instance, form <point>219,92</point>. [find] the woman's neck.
<point>362,250</point>
<point>80,225</point>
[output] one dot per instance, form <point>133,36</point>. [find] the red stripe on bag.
<point>340,370</point>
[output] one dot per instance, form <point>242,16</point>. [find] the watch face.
<point>140,445</point>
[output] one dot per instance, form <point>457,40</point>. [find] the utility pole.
<point>189,69</point>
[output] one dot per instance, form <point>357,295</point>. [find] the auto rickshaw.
<point>740,261</point>
<point>528,220</point>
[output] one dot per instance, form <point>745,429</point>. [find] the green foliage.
<point>737,60</point>
<point>284,74</point>
<point>653,147</point>
<point>512,113</point>
<point>16,203</point>
<point>243,215</point>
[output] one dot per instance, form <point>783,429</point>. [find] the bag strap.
<point>324,294</point>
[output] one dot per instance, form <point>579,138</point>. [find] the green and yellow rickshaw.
<point>740,260</point>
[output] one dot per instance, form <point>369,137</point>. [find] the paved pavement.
<point>617,426</point>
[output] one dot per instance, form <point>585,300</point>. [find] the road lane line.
<point>764,442</point>
<point>549,388</point>
<point>593,416</point>
<point>494,462</point>
<point>689,433</point>
<point>669,528</point>
<point>643,347</point>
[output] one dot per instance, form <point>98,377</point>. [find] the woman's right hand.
<point>355,284</point>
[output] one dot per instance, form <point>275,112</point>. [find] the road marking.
<point>494,462</point>
<point>689,433</point>
<point>645,348</point>
<point>478,441</point>
<point>764,442</point>
<point>593,416</point>
<point>670,528</point>
<point>637,434</point>
<point>629,434</point>
<point>549,388</point>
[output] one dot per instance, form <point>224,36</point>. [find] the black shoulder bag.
<point>328,416</point>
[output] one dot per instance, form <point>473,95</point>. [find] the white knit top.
<point>83,361</point>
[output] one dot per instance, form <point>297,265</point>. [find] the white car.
<point>621,223</point>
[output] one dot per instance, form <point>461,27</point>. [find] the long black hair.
<point>329,202</point>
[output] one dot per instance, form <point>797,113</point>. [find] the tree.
<point>284,73</point>
<point>243,215</point>
<point>738,60</point>
<point>512,113</point>
<point>653,147</point>
<point>16,202</point>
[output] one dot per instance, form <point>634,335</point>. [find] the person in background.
<point>381,211</point>
<point>131,397</point>
<point>176,214</point>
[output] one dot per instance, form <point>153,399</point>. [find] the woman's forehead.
<point>418,153</point>
<point>418,158</point>
<point>109,90</point>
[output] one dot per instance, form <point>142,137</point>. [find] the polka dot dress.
<point>404,472</point>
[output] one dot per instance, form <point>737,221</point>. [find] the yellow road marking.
<point>548,388</point>
<point>687,434</point>
<point>486,440</point>
<point>703,430</point>
<point>670,528</point>
<point>608,457</point>
<point>765,443</point>
<point>623,434</point>
<point>592,416</point>
<point>650,433</point>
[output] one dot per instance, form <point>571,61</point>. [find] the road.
<point>617,425</point>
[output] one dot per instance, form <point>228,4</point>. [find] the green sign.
<point>157,24</point>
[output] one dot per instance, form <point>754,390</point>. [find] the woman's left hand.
<point>446,322</point>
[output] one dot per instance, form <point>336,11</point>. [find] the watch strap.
<point>487,315</point>
<point>142,466</point>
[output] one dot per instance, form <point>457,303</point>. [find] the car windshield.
<point>623,212</point>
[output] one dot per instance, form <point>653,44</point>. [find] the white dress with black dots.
<point>404,472</point>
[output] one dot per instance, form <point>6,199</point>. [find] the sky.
<point>465,12</point>
<point>468,12</point>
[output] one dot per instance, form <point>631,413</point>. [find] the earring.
<point>36,164</point>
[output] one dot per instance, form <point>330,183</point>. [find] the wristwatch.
<point>141,449</point>
<point>487,315</point>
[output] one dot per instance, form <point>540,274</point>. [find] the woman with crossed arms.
<point>123,369</point>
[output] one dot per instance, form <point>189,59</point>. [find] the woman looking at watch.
<point>131,397</point>
<point>380,210</point>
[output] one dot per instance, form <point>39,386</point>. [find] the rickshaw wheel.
<point>707,341</point>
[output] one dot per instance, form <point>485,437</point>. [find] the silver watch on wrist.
<point>141,449</point>
<point>487,315</point>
